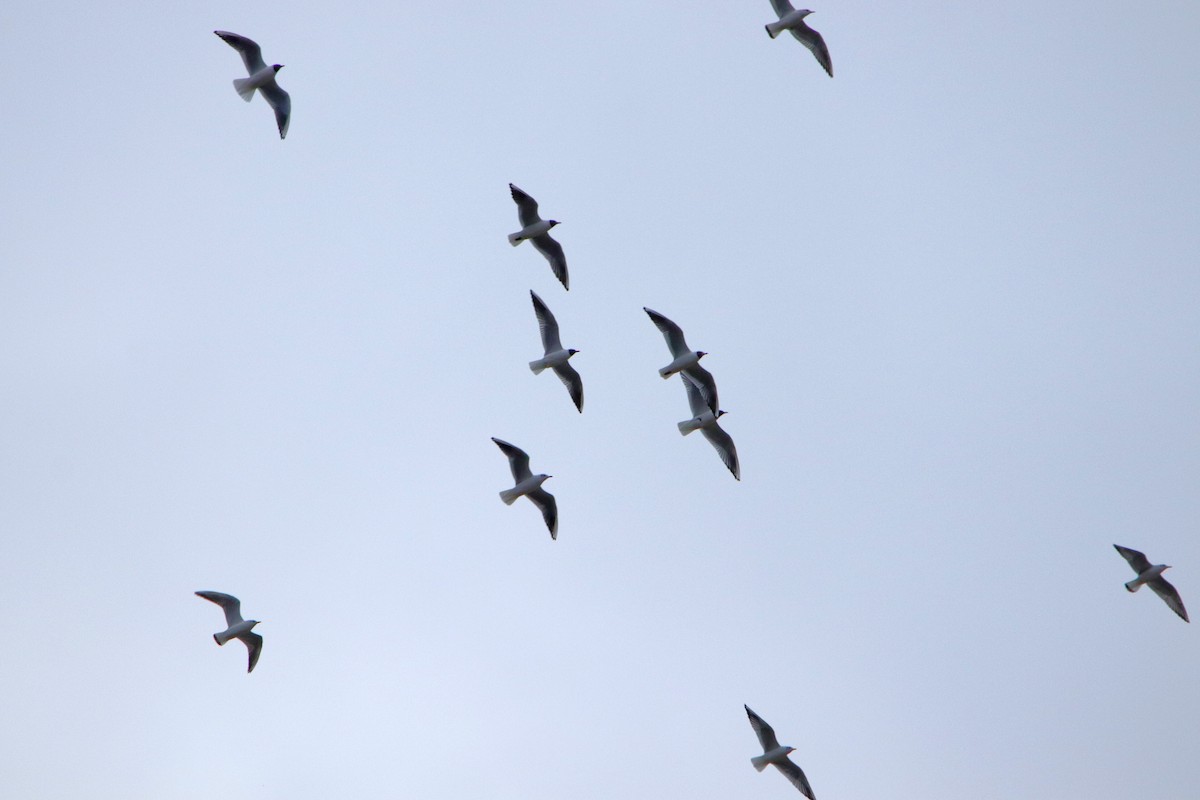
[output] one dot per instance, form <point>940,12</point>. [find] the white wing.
<point>518,459</point>
<point>249,50</point>
<point>230,604</point>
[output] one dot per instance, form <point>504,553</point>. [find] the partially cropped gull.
<point>1151,575</point>
<point>685,359</point>
<point>792,20</point>
<point>537,230</point>
<point>774,754</point>
<point>262,78</point>
<point>556,355</point>
<point>528,485</point>
<point>238,628</point>
<point>705,421</point>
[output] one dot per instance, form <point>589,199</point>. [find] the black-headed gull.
<point>528,485</point>
<point>792,20</point>
<point>262,78</point>
<point>1151,575</point>
<point>685,359</point>
<point>537,230</point>
<point>705,421</point>
<point>238,628</point>
<point>773,753</point>
<point>556,355</point>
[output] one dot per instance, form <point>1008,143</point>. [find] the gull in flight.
<point>1151,575</point>
<point>238,627</point>
<point>685,359</point>
<point>529,485</point>
<point>261,78</point>
<point>537,230</point>
<point>705,421</point>
<point>556,355</point>
<point>792,20</point>
<point>774,754</point>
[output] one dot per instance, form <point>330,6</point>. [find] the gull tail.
<point>773,29</point>
<point>244,88</point>
<point>666,372</point>
<point>1133,585</point>
<point>515,238</point>
<point>687,426</point>
<point>509,496</point>
<point>760,762</point>
<point>538,366</point>
<point>221,638</point>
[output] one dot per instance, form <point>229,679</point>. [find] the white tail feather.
<point>244,88</point>
<point>773,29</point>
<point>538,366</point>
<point>665,373</point>
<point>1133,585</point>
<point>760,762</point>
<point>509,496</point>
<point>221,638</point>
<point>687,426</point>
<point>515,238</point>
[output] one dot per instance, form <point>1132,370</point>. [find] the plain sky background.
<point>950,298</point>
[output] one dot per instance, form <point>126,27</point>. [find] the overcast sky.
<point>949,296</point>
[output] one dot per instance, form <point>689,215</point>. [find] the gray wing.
<point>230,604</point>
<point>547,324</point>
<point>723,443</point>
<point>782,7</point>
<point>1137,560</point>
<point>545,501</point>
<point>249,50</point>
<point>527,209</point>
<point>253,644</point>
<point>670,331</point>
<point>281,102</point>
<point>518,459</point>
<point>765,733</point>
<point>814,42</point>
<point>705,384</point>
<point>1169,595</point>
<point>570,378</point>
<point>695,399</point>
<point>796,776</point>
<point>553,252</point>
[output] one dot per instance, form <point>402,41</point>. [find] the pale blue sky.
<point>949,297</point>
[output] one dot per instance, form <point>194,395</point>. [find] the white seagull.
<point>705,421</point>
<point>529,485</point>
<point>537,230</point>
<point>792,20</point>
<point>686,359</point>
<point>261,78</point>
<point>556,355</point>
<point>238,627</point>
<point>774,754</point>
<point>1151,575</point>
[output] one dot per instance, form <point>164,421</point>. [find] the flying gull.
<point>238,627</point>
<point>1151,575</point>
<point>705,421</point>
<point>537,230</point>
<point>685,359</point>
<point>529,485</point>
<point>774,754</point>
<point>556,355</point>
<point>792,20</point>
<point>261,78</point>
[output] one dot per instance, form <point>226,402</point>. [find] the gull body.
<point>556,356</point>
<point>704,420</point>
<point>792,20</point>
<point>238,628</point>
<point>685,359</point>
<point>776,755</point>
<point>537,230</point>
<point>1151,575</point>
<point>528,485</point>
<point>262,79</point>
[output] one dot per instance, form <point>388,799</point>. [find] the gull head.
<point>720,413</point>
<point>571,352</point>
<point>700,354</point>
<point>552,222</point>
<point>804,12</point>
<point>277,67</point>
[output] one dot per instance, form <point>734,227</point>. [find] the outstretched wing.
<point>796,776</point>
<point>782,7</point>
<point>253,644</point>
<point>527,209</point>
<point>570,378</point>
<point>1170,596</point>
<point>723,443</point>
<point>553,252</point>
<point>230,604</point>
<point>547,324</point>
<point>518,459</point>
<point>249,50</point>
<point>545,501</point>
<point>1137,560</point>
<point>705,384</point>
<point>815,43</point>
<point>670,331</point>
<point>281,102</point>
<point>765,733</point>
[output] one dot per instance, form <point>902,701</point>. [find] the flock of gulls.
<point>699,385</point>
